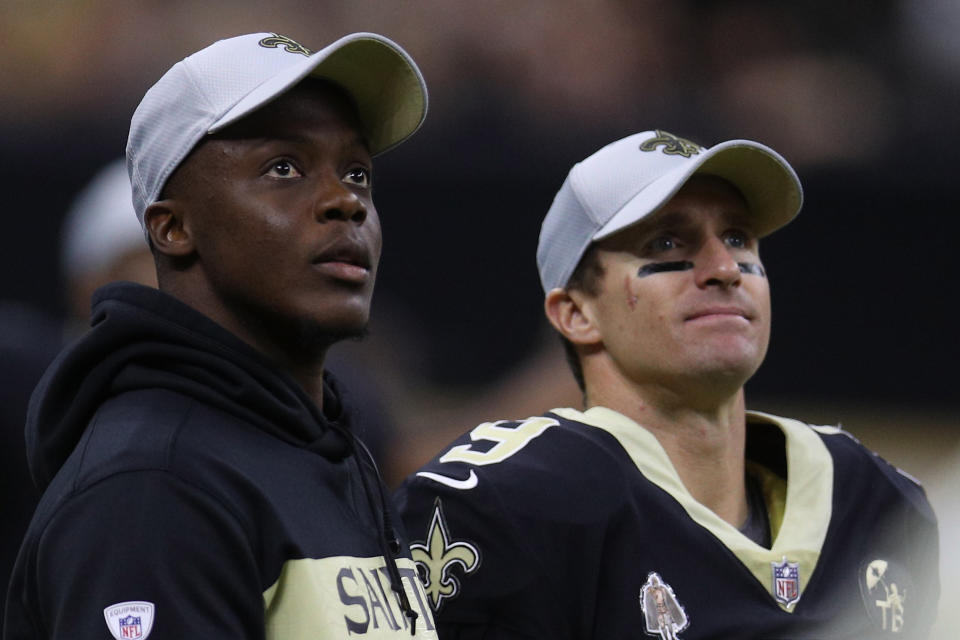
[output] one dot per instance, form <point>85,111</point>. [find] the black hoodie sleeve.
<point>140,548</point>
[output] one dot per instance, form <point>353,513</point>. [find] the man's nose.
<point>715,265</point>
<point>337,201</point>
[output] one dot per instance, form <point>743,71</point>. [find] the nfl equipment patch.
<point>129,620</point>
<point>786,582</point>
<point>663,615</point>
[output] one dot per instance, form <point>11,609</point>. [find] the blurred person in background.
<point>29,340</point>
<point>664,506</point>
<point>100,242</point>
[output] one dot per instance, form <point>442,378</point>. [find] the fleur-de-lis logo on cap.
<point>275,40</point>
<point>672,145</point>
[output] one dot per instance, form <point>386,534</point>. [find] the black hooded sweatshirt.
<point>193,489</point>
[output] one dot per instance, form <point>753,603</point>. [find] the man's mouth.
<point>344,260</point>
<point>719,311</point>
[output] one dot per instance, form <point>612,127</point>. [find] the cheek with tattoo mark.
<point>752,269</point>
<point>660,267</point>
<point>631,297</point>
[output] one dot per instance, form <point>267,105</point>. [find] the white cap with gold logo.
<point>231,78</point>
<point>631,178</point>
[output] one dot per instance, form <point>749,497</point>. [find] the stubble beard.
<point>301,340</point>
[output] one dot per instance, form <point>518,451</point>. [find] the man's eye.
<point>358,176</point>
<point>283,169</point>
<point>737,239</point>
<point>663,243</point>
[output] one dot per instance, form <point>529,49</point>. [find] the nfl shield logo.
<point>786,582</point>
<point>130,628</point>
<point>132,620</point>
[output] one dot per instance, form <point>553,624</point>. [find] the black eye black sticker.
<point>660,267</point>
<point>752,269</point>
<point>685,265</point>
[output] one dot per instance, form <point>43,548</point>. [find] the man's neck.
<point>705,445</point>
<point>311,379</point>
<point>297,348</point>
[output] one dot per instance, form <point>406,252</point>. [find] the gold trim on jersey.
<point>809,492</point>
<point>774,491</point>
<point>343,596</point>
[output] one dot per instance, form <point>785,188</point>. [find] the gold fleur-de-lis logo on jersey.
<point>672,145</point>
<point>438,556</point>
<point>274,40</point>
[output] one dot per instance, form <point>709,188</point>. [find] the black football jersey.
<point>576,525</point>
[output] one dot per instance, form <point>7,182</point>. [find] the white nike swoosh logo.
<point>453,483</point>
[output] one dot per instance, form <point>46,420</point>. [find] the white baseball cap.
<point>231,78</point>
<point>629,179</point>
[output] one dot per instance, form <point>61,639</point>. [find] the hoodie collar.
<point>141,337</point>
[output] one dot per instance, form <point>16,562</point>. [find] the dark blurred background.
<point>860,96</point>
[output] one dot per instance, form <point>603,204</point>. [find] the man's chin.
<point>329,331</point>
<point>307,338</point>
<point>353,333</point>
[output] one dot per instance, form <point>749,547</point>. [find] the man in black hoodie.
<point>200,475</point>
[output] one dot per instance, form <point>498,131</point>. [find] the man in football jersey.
<point>664,508</point>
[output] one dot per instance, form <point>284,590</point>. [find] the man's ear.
<point>569,314</point>
<point>169,231</point>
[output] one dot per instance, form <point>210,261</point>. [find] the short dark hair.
<point>585,278</point>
